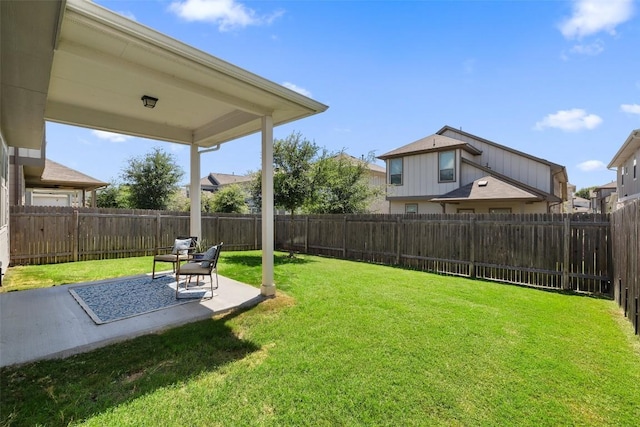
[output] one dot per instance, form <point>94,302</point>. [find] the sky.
<point>559,80</point>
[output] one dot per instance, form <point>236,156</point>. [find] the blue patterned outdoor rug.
<point>120,299</point>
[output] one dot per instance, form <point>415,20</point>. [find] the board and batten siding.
<point>398,207</point>
<point>516,207</point>
<point>521,168</point>
<point>631,185</point>
<point>420,177</point>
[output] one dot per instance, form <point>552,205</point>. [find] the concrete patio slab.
<point>48,323</point>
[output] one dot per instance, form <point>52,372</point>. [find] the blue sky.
<point>559,80</point>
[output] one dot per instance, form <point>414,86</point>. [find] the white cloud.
<point>595,48</point>
<point>592,16</point>
<point>592,166</point>
<point>227,14</point>
<point>110,136</point>
<point>298,89</point>
<point>569,120</point>
<point>630,108</point>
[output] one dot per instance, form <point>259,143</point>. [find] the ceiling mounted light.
<point>149,101</point>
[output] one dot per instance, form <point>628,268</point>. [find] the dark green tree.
<point>585,193</point>
<point>113,196</point>
<point>230,199</point>
<point>293,179</point>
<point>152,179</point>
<point>341,185</point>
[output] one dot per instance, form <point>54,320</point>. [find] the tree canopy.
<point>585,193</point>
<point>307,179</point>
<point>293,159</point>
<point>152,179</point>
<point>229,199</point>
<point>341,185</point>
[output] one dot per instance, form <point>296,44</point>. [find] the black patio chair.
<point>207,266</point>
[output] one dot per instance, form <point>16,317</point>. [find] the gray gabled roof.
<point>430,143</point>
<point>488,188</point>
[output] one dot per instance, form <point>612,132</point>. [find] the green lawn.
<point>347,344</point>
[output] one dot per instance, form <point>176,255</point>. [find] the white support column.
<point>268,288</point>
<point>195,225</point>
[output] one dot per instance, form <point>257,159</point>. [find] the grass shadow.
<point>62,392</point>
<point>255,260</point>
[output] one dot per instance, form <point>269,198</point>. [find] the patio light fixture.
<point>149,101</point>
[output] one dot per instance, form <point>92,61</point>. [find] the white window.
<point>411,208</point>
<point>446,166</point>
<point>395,171</point>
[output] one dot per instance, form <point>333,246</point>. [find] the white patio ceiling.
<point>104,63</point>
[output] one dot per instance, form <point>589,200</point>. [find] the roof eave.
<point>618,159</point>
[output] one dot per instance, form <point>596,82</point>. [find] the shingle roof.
<point>433,142</point>
<point>487,188</point>
<point>218,179</point>
<point>58,175</point>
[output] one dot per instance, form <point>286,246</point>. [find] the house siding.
<point>420,176</point>
<point>631,187</point>
<point>483,207</point>
<point>398,207</point>
<point>518,167</point>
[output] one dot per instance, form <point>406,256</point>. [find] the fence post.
<point>255,233</point>
<point>636,322</point>
<point>567,253</point>
<point>306,234</point>
<point>626,301</point>
<point>158,232</point>
<point>472,249</point>
<point>398,239</point>
<point>75,234</point>
<point>344,237</point>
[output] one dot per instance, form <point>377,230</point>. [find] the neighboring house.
<point>605,197</point>
<point>626,162</point>
<point>42,182</point>
<point>581,205</point>
<point>214,181</point>
<point>456,172</point>
<point>61,186</point>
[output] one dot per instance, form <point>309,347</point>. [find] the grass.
<point>21,278</point>
<point>353,344</point>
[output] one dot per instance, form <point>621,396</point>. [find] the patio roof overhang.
<point>104,63</point>
<point>77,63</point>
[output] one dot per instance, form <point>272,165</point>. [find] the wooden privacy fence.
<point>625,225</point>
<point>45,235</point>
<point>556,251</point>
